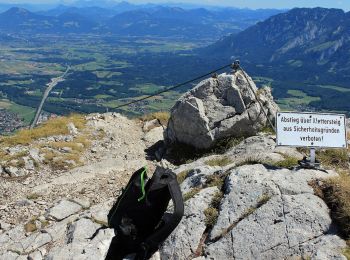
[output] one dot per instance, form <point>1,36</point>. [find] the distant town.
<point>9,121</point>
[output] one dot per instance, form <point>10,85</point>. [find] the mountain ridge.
<point>154,20</point>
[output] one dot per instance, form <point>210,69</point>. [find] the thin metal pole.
<point>312,156</point>
<point>257,99</point>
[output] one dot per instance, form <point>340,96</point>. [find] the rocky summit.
<point>217,108</point>
<point>250,201</point>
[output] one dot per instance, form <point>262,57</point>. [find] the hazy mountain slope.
<point>168,21</point>
<point>133,20</point>
<point>19,20</point>
<point>93,12</point>
<point>310,44</point>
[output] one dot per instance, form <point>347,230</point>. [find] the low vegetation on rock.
<point>162,116</point>
<point>221,161</point>
<point>57,126</point>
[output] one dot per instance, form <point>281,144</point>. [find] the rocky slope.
<point>233,211</point>
<point>240,204</point>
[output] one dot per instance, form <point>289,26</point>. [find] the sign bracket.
<point>310,163</point>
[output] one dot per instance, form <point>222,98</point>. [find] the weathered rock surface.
<point>188,234</point>
<point>149,125</point>
<point>264,214</point>
<point>64,209</point>
<point>217,108</point>
<point>75,237</point>
<point>153,136</point>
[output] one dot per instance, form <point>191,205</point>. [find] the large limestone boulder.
<point>218,108</point>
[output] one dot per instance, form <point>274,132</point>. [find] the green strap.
<point>143,184</point>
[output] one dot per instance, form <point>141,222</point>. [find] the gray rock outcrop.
<point>263,214</point>
<point>218,108</point>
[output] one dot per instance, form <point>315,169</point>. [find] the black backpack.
<point>138,215</point>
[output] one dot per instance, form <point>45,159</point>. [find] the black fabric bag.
<point>138,217</point>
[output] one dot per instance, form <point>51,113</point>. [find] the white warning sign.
<point>311,130</point>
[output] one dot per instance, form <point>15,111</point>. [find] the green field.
<point>26,113</point>
<point>107,72</point>
<point>340,89</point>
<point>298,98</point>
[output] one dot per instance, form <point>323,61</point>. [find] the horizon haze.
<point>252,4</point>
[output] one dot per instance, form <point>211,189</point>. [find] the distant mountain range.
<point>303,44</point>
<point>127,20</point>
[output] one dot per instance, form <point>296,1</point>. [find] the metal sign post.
<point>310,163</point>
<point>313,130</point>
<point>312,156</point>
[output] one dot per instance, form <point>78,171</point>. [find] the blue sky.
<point>344,4</point>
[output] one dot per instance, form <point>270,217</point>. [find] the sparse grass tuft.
<point>30,226</point>
<point>336,193</point>
<point>263,200</point>
<point>44,223</point>
<point>212,213</point>
<point>191,194</point>
<point>7,157</point>
<point>33,196</point>
<point>162,116</point>
<point>182,176</point>
<point>268,130</point>
<point>250,161</point>
<point>337,158</point>
<point>61,161</point>
<point>83,139</point>
<point>57,126</point>
<point>288,162</point>
<point>225,144</point>
<point>248,212</point>
<point>223,161</point>
<point>215,180</point>
<point>346,252</point>
<point>216,201</point>
<point>211,216</point>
